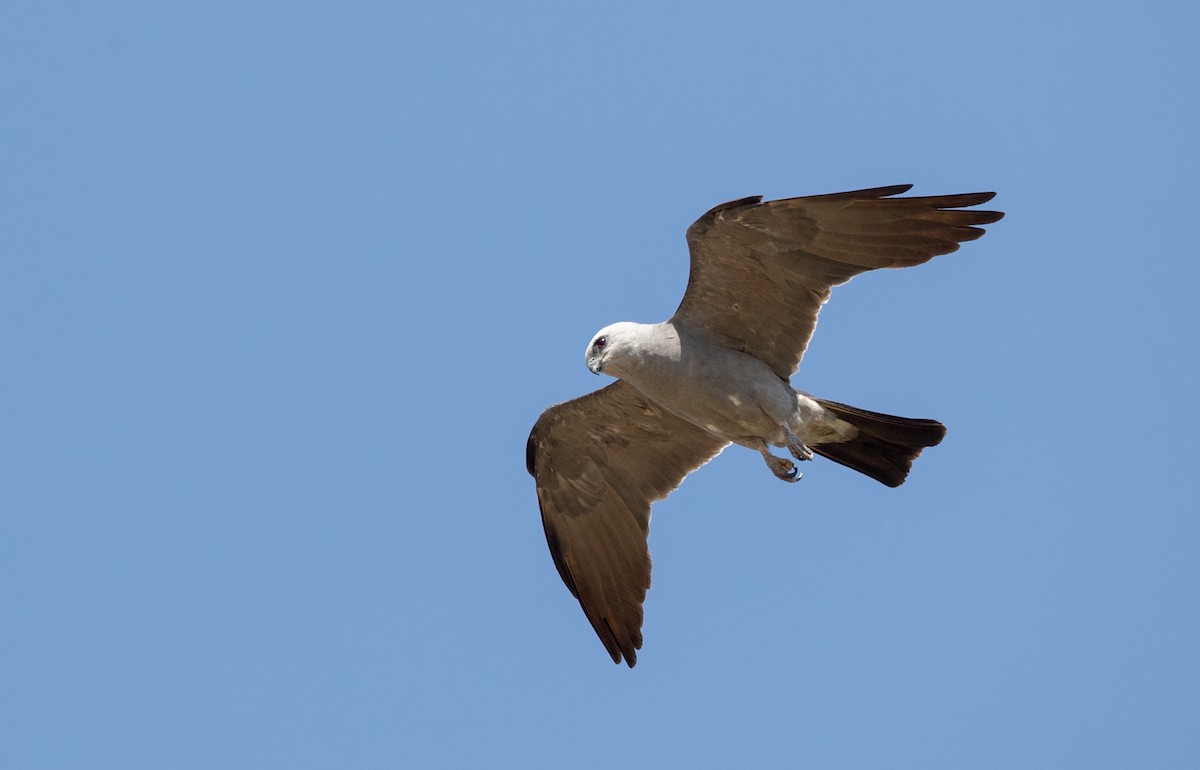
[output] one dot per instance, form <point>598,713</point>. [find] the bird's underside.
<point>717,372</point>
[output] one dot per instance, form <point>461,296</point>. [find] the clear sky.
<point>285,285</point>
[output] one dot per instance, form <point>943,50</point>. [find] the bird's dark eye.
<point>601,342</point>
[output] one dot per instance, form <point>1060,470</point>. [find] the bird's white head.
<point>611,348</point>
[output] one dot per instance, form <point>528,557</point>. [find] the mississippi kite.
<point>718,372</point>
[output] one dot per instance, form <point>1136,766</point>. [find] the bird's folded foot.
<point>782,468</point>
<point>797,447</point>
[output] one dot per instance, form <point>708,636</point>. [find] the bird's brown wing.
<point>599,462</point>
<point>761,271</point>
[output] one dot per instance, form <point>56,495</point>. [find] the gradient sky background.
<point>285,285</point>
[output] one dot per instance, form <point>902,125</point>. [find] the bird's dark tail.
<point>885,446</point>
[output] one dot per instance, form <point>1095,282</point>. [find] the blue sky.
<point>285,285</point>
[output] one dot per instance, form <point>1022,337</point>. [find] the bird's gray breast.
<point>724,391</point>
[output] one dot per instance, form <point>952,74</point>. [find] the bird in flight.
<point>718,372</point>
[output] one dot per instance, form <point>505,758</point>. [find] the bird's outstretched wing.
<point>761,271</point>
<point>599,462</point>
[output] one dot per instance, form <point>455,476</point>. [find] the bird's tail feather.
<point>885,446</point>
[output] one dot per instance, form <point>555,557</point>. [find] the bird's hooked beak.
<point>597,352</point>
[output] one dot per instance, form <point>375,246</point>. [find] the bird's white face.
<point>604,351</point>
